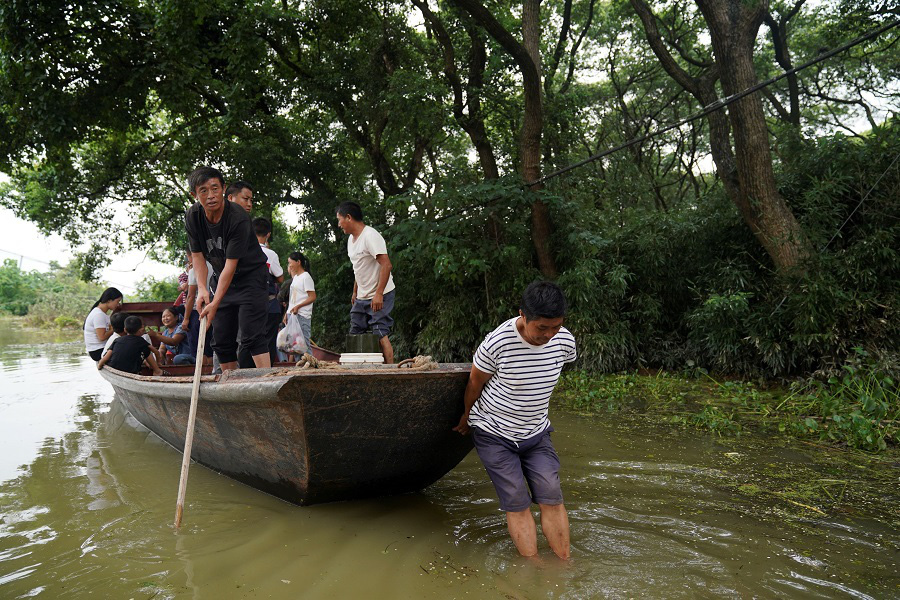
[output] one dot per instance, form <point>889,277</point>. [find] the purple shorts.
<point>523,472</point>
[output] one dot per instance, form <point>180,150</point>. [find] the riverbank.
<point>19,330</point>
<point>858,407</point>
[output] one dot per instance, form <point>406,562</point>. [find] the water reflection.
<point>653,513</point>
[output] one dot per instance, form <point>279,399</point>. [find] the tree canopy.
<point>435,116</point>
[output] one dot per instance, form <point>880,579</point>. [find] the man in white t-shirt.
<point>506,406</point>
<point>373,288</point>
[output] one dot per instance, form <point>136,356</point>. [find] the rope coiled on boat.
<point>418,363</point>
<point>308,361</point>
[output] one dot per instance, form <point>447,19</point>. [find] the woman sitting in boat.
<point>97,328</point>
<point>171,340</point>
<point>303,293</point>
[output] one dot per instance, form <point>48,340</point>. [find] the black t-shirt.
<point>231,237</point>
<point>128,352</point>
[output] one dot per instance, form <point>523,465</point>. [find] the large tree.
<point>746,166</point>
<point>527,57</point>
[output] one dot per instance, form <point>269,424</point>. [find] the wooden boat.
<point>308,435</point>
<point>312,435</point>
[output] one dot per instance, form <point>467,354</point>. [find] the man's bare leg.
<point>387,350</point>
<point>523,531</point>
<point>229,366</point>
<point>555,525</point>
<point>262,361</point>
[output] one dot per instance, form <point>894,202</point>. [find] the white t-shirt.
<point>192,275</point>
<point>514,402</point>
<point>109,341</point>
<point>97,319</point>
<point>273,262</point>
<point>366,269</point>
<point>113,337</point>
<point>300,285</point>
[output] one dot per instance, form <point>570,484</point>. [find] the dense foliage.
<point>59,298</point>
<point>152,289</point>
<point>859,407</point>
<point>426,114</point>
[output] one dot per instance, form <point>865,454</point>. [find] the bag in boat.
<point>291,339</point>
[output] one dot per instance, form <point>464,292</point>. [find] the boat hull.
<point>312,436</point>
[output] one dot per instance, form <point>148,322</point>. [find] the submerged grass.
<point>858,407</point>
<point>808,476</point>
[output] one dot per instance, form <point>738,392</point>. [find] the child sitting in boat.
<point>172,340</point>
<point>130,351</point>
<point>117,320</point>
<point>303,294</point>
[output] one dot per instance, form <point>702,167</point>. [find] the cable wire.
<point>718,104</point>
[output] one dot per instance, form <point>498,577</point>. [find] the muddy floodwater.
<point>87,498</point>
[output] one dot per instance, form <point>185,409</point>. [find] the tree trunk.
<point>527,57</point>
<point>530,145</point>
<point>733,25</point>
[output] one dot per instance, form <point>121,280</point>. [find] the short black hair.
<point>236,186</point>
<point>262,226</point>
<point>201,175</point>
<point>133,324</point>
<point>543,300</point>
<point>117,320</point>
<point>351,209</point>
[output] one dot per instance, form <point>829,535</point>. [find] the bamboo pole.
<point>192,415</point>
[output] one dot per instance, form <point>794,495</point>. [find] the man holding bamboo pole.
<point>220,232</point>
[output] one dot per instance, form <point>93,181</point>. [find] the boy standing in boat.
<point>373,286</point>
<point>220,232</point>
<point>507,398</point>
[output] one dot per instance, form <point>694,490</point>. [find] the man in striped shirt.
<point>507,398</point>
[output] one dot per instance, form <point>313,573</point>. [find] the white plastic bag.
<point>291,340</point>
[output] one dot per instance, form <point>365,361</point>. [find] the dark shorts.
<point>245,359</point>
<point>96,354</point>
<point>521,473</point>
<point>249,318</point>
<point>362,318</point>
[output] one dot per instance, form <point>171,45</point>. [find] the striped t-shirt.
<point>515,401</point>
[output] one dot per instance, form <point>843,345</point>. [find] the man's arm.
<point>383,275</point>
<point>225,278</point>
<point>477,380</point>
<point>353,297</point>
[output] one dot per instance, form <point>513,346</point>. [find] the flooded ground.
<point>87,498</point>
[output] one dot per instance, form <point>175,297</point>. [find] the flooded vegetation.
<point>87,498</point>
